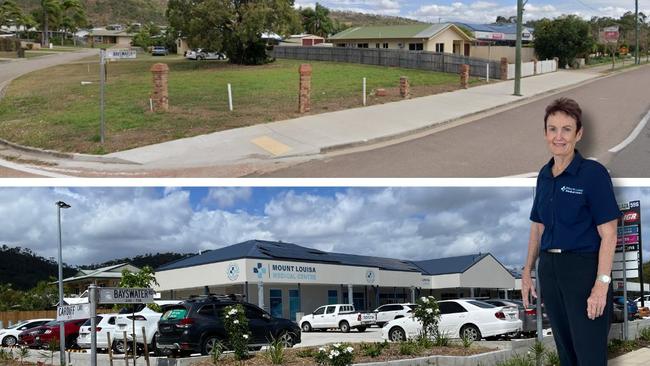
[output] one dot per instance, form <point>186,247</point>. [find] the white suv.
<point>646,301</point>
<point>105,325</point>
<point>388,312</point>
<point>146,318</point>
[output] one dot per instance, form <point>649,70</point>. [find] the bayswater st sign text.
<point>116,295</point>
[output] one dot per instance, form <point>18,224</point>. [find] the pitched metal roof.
<point>450,265</point>
<point>496,28</point>
<point>261,249</point>
<point>395,31</point>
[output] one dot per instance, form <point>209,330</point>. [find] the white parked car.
<point>105,324</point>
<point>201,54</point>
<point>146,318</point>
<point>388,312</point>
<point>341,316</point>
<point>9,336</point>
<point>470,318</point>
<point>646,300</point>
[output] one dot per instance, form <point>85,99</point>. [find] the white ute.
<point>341,316</point>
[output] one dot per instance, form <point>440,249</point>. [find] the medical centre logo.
<point>572,190</point>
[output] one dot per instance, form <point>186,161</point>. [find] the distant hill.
<point>103,12</point>
<point>353,19</point>
<point>23,269</point>
<point>152,260</point>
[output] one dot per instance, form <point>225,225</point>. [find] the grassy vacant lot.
<point>51,109</point>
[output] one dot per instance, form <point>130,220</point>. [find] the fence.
<point>8,318</point>
<point>530,69</point>
<point>422,60</point>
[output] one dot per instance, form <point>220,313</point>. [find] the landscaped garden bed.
<point>51,109</point>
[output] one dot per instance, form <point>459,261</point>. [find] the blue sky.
<point>397,222</point>
<point>482,11</point>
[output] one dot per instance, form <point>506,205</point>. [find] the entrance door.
<point>276,303</point>
<point>294,303</point>
<point>467,49</point>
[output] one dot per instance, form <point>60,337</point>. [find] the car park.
<point>341,316</point>
<point>196,325</point>
<point>462,318</point>
<point>104,325</point>
<point>126,322</point>
<point>9,336</point>
<point>159,51</point>
<point>528,316</point>
<point>43,335</point>
<point>388,312</point>
<point>632,309</point>
<point>203,54</point>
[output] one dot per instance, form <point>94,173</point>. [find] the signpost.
<point>111,54</point>
<point>610,35</point>
<point>72,312</point>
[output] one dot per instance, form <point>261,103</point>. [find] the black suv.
<point>196,325</point>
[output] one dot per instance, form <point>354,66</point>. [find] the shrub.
<point>9,44</point>
<point>428,314</point>
<point>337,354</point>
<point>518,360</point>
<point>373,349</point>
<point>552,359</point>
<point>275,352</point>
<point>236,325</point>
<point>467,341</point>
<point>538,349</point>
<point>217,352</point>
<point>409,348</point>
<point>441,339</point>
<point>644,334</point>
<point>424,342</point>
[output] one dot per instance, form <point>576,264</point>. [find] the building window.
<point>340,45</point>
<point>376,45</point>
<point>362,45</point>
<point>385,45</point>
<point>332,297</point>
<point>294,303</point>
<point>358,300</point>
<point>416,46</point>
<point>440,47</point>
<point>276,303</point>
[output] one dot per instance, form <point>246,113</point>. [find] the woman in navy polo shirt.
<point>573,233</point>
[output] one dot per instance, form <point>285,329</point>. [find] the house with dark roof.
<point>443,37</point>
<point>288,279</point>
<point>499,34</point>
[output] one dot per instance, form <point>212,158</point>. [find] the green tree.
<point>49,13</point>
<point>317,20</point>
<point>10,13</point>
<point>143,279</point>
<point>44,296</point>
<point>566,37</point>
<point>232,26</point>
<point>73,16</point>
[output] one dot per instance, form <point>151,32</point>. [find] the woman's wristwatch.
<point>604,278</point>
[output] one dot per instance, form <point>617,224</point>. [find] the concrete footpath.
<point>315,134</point>
<point>640,357</point>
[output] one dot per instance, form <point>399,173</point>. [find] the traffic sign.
<point>119,53</point>
<point>117,295</point>
<point>72,312</point>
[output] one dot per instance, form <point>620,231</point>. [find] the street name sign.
<point>119,53</point>
<point>116,295</point>
<point>72,312</point>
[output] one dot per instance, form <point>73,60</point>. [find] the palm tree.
<point>10,13</point>
<point>73,16</point>
<point>317,21</point>
<point>51,9</point>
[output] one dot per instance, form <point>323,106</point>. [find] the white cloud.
<point>227,196</point>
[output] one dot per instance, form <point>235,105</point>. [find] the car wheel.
<point>119,347</point>
<point>71,343</point>
<point>286,340</point>
<point>344,327</point>
<point>306,327</point>
<point>361,329</point>
<point>470,332</point>
<point>208,345</point>
<point>9,341</point>
<point>397,334</point>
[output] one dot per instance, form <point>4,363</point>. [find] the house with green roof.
<point>442,37</point>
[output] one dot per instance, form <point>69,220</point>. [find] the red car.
<point>40,337</point>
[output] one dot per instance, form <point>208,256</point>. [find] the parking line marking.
<point>271,145</point>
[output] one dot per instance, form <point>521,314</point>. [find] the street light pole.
<point>520,26</point>
<point>637,58</point>
<point>60,205</point>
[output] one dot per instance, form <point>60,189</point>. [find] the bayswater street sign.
<point>116,295</point>
<point>120,53</point>
<point>72,312</point>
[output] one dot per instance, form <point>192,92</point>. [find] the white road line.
<point>14,166</point>
<point>635,133</point>
<point>525,175</point>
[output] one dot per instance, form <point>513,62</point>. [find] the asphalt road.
<point>510,142</point>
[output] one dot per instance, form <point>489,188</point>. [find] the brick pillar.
<point>464,76</point>
<point>504,68</point>
<point>304,97</point>
<point>160,93</point>
<point>404,87</point>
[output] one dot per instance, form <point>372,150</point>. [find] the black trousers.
<point>566,280</point>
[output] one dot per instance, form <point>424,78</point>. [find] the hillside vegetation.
<point>353,19</point>
<point>103,12</point>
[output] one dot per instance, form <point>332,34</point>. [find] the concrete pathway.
<point>314,134</point>
<point>640,357</point>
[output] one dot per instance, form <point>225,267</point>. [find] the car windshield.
<point>52,323</point>
<point>17,325</point>
<point>481,304</point>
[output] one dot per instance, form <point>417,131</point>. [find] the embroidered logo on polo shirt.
<point>572,190</point>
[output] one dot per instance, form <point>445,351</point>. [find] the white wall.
<point>212,274</point>
<point>487,273</point>
<point>497,52</point>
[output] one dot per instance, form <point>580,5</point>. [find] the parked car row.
<point>203,54</point>
<point>341,316</point>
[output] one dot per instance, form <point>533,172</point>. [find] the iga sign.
<point>72,312</point>
<point>610,34</point>
<point>116,295</point>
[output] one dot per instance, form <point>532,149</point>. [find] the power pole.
<point>637,59</point>
<point>520,26</point>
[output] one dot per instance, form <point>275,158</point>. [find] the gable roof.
<point>114,271</point>
<point>450,265</point>
<point>497,28</point>
<point>106,33</point>
<point>262,249</point>
<point>397,31</point>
